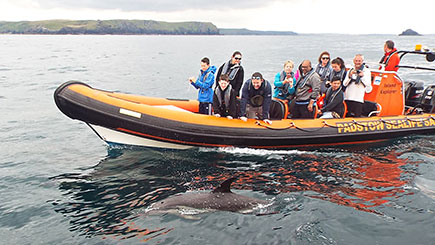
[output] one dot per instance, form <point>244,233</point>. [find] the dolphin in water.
<point>220,199</point>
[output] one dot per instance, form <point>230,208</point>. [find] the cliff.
<point>108,27</point>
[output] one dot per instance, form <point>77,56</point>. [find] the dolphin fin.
<point>225,186</point>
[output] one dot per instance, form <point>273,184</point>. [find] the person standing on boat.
<point>234,70</point>
<point>204,84</point>
<point>324,69</point>
<point>391,59</point>
<point>357,82</point>
<point>334,98</point>
<point>285,82</point>
<point>224,99</point>
<point>307,92</point>
<point>256,98</point>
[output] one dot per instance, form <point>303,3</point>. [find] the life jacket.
<point>231,71</point>
<point>225,103</point>
<point>283,90</point>
<point>386,58</point>
<point>257,96</point>
<point>303,80</point>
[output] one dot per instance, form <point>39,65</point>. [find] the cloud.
<point>155,5</point>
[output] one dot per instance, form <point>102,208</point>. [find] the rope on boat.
<point>310,131</point>
<point>390,123</point>
<point>268,127</point>
<point>329,125</point>
<point>290,126</point>
<point>418,120</point>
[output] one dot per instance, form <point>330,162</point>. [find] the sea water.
<point>60,184</point>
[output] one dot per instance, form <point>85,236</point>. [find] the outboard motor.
<point>413,92</point>
<point>428,99</point>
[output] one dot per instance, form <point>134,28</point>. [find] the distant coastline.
<point>243,31</point>
<point>124,27</point>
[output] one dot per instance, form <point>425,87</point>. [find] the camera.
<point>355,77</point>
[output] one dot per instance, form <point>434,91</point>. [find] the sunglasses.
<point>325,58</point>
<point>256,78</point>
<point>237,58</point>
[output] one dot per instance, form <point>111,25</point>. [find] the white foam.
<point>250,151</point>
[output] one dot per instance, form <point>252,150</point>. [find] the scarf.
<point>230,70</point>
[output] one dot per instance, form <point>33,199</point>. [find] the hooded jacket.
<point>204,83</point>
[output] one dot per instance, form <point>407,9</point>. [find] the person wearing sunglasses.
<point>256,98</point>
<point>234,70</point>
<point>324,69</point>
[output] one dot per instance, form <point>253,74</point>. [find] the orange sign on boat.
<point>387,91</point>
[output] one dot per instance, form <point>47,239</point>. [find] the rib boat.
<point>393,108</point>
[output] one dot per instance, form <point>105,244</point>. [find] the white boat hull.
<point>112,136</point>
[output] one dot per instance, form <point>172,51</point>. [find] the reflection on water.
<point>108,200</point>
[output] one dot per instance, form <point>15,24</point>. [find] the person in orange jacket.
<point>391,59</point>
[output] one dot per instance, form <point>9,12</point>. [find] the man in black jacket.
<point>334,98</point>
<point>256,98</point>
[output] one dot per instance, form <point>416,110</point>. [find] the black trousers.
<point>205,108</point>
<point>301,111</point>
<point>354,108</point>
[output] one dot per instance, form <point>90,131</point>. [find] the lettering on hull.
<point>384,125</point>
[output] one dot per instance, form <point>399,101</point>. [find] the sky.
<point>301,16</point>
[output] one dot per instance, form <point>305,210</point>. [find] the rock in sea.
<point>409,32</point>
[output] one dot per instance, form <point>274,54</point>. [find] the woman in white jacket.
<point>357,82</point>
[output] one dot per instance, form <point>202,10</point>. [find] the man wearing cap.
<point>256,98</point>
<point>307,91</point>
